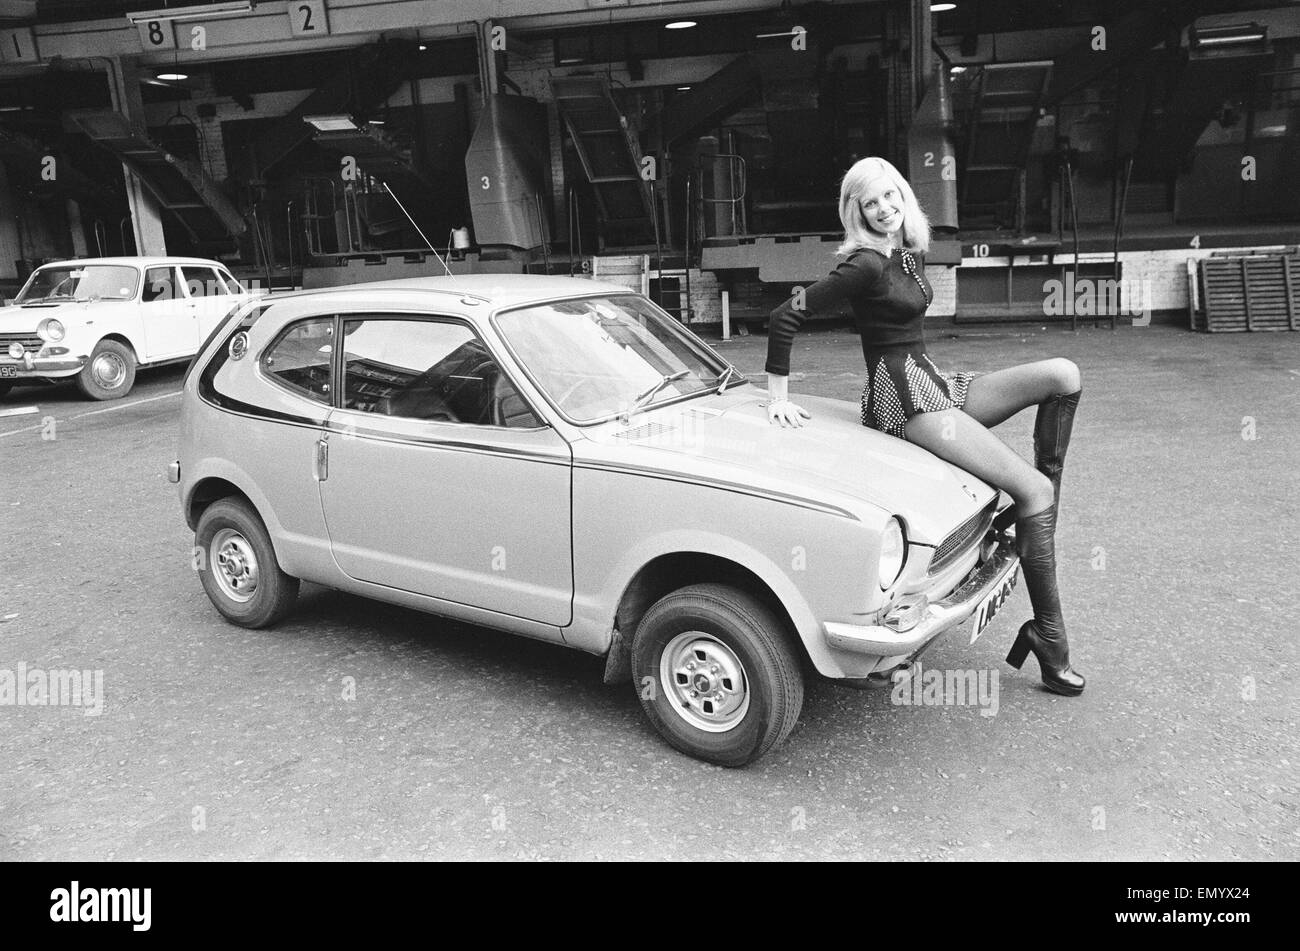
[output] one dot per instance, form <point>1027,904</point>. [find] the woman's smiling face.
<point>882,205</point>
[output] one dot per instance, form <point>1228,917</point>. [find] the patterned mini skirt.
<point>904,382</point>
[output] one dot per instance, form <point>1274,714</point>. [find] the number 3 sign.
<point>307,18</point>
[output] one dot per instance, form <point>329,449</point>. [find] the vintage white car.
<point>100,319</point>
<point>561,459</point>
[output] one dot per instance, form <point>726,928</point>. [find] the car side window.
<point>159,284</point>
<point>433,370</point>
<point>301,358</point>
<point>203,281</point>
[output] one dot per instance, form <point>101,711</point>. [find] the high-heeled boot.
<point>1044,634</point>
<point>1052,428</point>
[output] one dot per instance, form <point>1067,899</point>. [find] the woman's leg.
<point>1054,386</point>
<point>956,436</point>
<point>997,396</point>
<point>962,440</point>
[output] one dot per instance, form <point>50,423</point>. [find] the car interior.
<point>465,386</point>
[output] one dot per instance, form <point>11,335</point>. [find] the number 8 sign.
<point>157,35</point>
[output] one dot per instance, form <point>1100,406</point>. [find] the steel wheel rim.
<point>109,370</point>
<point>704,682</point>
<point>234,565</point>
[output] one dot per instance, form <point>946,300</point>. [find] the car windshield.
<point>80,282</point>
<point>600,356</point>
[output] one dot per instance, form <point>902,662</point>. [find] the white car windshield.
<point>80,282</point>
<point>600,356</point>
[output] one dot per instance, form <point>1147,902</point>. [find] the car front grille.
<point>31,343</point>
<point>963,537</point>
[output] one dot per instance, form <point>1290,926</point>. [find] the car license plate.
<point>992,602</point>
<point>8,370</point>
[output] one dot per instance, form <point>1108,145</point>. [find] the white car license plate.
<point>8,370</point>
<point>992,602</point>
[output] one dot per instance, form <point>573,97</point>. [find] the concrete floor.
<point>1178,557</point>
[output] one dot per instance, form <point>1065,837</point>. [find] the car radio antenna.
<point>418,231</point>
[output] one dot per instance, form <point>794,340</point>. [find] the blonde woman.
<point>882,278</point>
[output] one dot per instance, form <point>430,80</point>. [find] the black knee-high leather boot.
<point>1052,428</point>
<point>1044,634</point>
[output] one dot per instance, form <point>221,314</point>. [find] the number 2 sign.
<point>307,18</point>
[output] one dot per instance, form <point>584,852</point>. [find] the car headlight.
<point>893,552</point>
<point>50,329</point>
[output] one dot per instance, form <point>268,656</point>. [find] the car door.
<point>439,478</point>
<point>209,296</point>
<point>167,315</point>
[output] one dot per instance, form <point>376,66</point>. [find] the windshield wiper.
<point>649,394</point>
<point>726,375</point>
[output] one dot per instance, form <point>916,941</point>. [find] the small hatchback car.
<point>98,320</point>
<point>561,459</point>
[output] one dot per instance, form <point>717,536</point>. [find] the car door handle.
<point>320,463</point>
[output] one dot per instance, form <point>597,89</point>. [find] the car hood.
<point>831,458</point>
<point>25,319</point>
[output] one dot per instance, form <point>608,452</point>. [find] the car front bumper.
<point>31,366</point>
<point>938,618</point>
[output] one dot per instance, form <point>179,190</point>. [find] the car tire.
<point>749,679</point>
<point>109,374</point>
<point>5,387</point>
<point>238,568</point>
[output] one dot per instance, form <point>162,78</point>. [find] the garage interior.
<point>690,149</point>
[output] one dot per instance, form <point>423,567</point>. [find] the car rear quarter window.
<point>301,358</point>
<point>203,282</point>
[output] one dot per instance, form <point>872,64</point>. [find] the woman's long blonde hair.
<point>857,233</point>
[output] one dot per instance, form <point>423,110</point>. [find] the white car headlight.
<point>893,552</point>
<point>51,330</point>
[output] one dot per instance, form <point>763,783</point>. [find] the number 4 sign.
<point>307,18</point>
<point>17,46</point>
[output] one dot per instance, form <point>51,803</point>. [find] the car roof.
<point>134,261</point>
<point>500,290</point>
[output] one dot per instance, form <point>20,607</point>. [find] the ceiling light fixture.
<point>209,11</point>
<point>680,25</point>
<point>942,7</point>
<point>173,77</point>
<point>1228,35</point>
<point>332,123</point>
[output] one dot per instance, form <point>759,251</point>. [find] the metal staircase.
<point>180,185</point>
<point>1000,124</point>
<point>610,152</point>
<point>379,156</point>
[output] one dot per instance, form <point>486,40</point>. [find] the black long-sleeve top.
<point>887,303</point>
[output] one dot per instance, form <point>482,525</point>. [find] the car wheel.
<point>238,567</point>
<point>109,374</point>
<point>716,674</point>
<point>5,387</point>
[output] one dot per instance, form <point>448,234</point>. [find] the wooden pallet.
<point>1248,292</point>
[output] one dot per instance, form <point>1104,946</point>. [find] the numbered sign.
<point>18,46</point>
<point>307,18</point>
<point>157,35</point>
